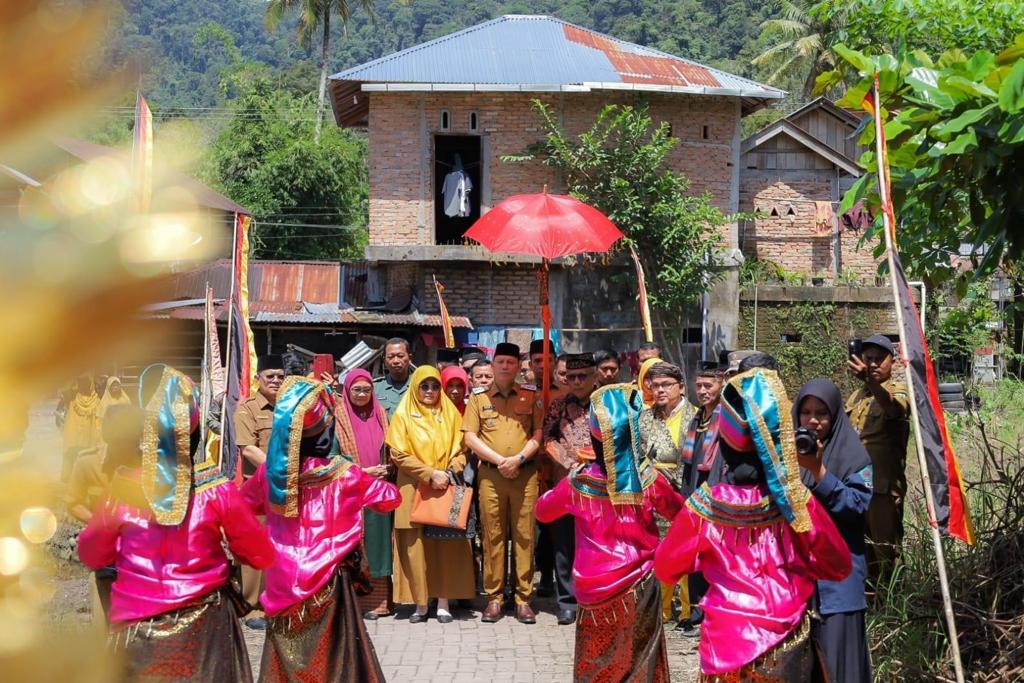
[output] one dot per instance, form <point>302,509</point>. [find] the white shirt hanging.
<point>455,191</point>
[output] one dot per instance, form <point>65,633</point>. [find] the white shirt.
<point>456,189</point>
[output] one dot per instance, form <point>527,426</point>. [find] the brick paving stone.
<point>470,651</point>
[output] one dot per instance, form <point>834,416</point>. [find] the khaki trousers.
<point>885,534</point>
<point>508,504</point>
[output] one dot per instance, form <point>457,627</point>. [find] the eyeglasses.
<point>360,392</point>
<point>276,375</point>
<point>430,387</point>
<point>663,386</point>
<point>577,377</point>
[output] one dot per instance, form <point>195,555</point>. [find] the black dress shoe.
<point>566,617</point>
<point>370,616</point>
<point>417,618</point>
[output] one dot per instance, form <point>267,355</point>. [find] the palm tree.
<point>314,16</point>
<point>803,36</point>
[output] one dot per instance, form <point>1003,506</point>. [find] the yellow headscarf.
<point>647,393</point>
<point>109,400</point>
<point>431,434</point>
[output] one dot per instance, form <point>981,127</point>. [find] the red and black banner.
<point>951,513</point>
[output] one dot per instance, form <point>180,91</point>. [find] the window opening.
<point>457,180</point>
<point>705,133</point>
<point>472,121</point>
<point>445,120</point>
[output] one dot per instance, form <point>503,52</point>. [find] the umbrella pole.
<point>545,317</point>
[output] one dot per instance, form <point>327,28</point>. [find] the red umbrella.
<point>546,225</point>
<point>549,226</point>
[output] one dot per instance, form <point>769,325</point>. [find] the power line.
<point>312,225</point>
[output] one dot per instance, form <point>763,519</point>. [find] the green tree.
<point>955,150</point>
<point>315,16</point>
<point>309,198</point>
<point>801,41</point>
<point>620,166</point>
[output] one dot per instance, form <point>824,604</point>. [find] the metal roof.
<point>292,292</point>
<point>535,53</point>
<point>205,196</point>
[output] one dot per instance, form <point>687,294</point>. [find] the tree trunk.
<point>324,51</point>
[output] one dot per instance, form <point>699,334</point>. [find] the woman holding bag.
<point>426,445</point>
<point>361,423</point>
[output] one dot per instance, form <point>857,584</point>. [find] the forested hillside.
<point>183,45</point>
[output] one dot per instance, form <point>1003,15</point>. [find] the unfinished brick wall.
<point>786,233</point>
<point>401,126</point>
<point>487,293</point>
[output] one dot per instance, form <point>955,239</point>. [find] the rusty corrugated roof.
<point>533,54</point>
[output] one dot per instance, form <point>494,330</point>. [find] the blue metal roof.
<point>517,52</point>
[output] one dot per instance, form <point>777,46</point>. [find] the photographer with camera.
<point>837,469</point>
<point>879,411</point>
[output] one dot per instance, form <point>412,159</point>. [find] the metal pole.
<point>947,603</point>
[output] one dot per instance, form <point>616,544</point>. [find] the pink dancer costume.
<point>313,498</point>
<point>759,538</point>
<point>163,528</point>
<point>613,501</point>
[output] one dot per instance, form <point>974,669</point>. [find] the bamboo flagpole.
<point>888,219</point>
<point>645,308</point>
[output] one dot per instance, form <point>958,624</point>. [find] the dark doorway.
<point>454,153</point>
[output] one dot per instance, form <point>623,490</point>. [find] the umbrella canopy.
<point>545,225</point>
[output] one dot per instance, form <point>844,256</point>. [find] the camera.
<point>806,441</point>
<point>855,347</point>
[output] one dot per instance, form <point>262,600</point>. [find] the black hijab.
<point>742,469</point>
<point>844,452</point>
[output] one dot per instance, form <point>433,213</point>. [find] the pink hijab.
<point>361,430</point>
<point>455,372</point>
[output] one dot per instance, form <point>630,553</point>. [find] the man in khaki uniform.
<point>879,411</point>
<point>503,427</point>
<point>254,419</point>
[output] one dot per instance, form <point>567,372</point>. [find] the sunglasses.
<point>276,375</point>
<point>430,387</point>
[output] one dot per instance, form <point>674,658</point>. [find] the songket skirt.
<point>199,642</point>
<point>791,660</point>
<point>622,639</point>
<point>323,638</point>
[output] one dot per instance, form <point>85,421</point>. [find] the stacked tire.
<point>951,395</point>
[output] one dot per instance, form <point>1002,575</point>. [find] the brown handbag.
<point>448,508</point>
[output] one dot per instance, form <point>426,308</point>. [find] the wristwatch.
<point>522,458</point>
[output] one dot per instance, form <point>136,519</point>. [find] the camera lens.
<point>806,442</point>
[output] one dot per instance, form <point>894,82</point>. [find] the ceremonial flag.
<point>241,364</point>
<point>949,500</point>
<point>142,155</point>
<point>645,309</point>
<point>212,384</point>
<point>446,321</point>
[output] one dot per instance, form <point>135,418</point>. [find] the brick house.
<point>464,100</point>
<point>794,173</point>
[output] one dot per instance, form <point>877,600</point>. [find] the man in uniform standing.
<point>390,388</point>
<point>254,419</point>
<point>566,431</point>
<point>879,411</point>
<point>502,427</point>
<point>701,464</point>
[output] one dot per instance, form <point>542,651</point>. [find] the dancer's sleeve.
<point>379,495</point>
<point>254,491</point>
<point>246,537</point>
<point>845,499</point>
<point>667,501</point>
<point>825,552</point>
<point>97,544</point>
<point>678,553</point>
<point>555,503</point>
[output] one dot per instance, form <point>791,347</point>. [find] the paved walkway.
<point>469,650</point>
